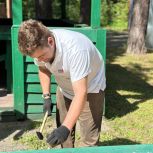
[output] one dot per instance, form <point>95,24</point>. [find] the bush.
<point>114,14</point>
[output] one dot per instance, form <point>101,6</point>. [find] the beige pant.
<point>90,118</point>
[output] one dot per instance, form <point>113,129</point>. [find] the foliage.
<point>114,14</point>
<point>73,10</point>
<point>28,9</point>
<point>2,1</point>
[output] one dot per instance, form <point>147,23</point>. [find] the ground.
<point>22,135</point>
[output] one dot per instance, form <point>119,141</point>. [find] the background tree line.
<point>114,13</point>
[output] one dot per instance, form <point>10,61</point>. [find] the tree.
<point>138,26</point>
<point>85,11</point>
<point>43,9</point>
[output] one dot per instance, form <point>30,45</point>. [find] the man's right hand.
<point>47,106</point>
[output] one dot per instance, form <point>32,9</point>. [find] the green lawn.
<point>129,98</point>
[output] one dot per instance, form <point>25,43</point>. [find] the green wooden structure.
<point>26,85</point>
<point>104,149</point>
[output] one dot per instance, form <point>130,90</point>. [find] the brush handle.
<point>44,121</point>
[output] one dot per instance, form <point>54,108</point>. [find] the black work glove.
<point>47,106</point>
<point>58,136</point>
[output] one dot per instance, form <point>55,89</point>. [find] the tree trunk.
<point>43,9</point>
<point>138,26</point>
<point>85,11</point>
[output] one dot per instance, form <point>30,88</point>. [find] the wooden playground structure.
<point>25,83</point>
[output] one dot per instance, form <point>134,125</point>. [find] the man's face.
<point>45,54</point>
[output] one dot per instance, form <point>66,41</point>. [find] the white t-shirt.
<point>76,57</point>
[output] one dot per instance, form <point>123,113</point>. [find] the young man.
<point>78,68</point>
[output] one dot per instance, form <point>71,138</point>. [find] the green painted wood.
<point>101,42</point>
<point>35,109</point>
<point>142,148</point>
<point>18,76</point>
<point>95,13</point>
<point>37,98</point>
<point>28,59</point>
<point>31,68</point>
<point>17,12</point>
<point>34,78</point>
<point>36,88</point>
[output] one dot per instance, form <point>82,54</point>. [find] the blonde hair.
<point>32,34</point>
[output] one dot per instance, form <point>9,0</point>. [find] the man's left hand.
<point>58,136</point>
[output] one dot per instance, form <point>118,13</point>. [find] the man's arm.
<point>44,76</point>
<point>60,134</point>
<point>80,96</point>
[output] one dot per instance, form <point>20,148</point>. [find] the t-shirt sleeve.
<point>79,65</point>
<point>36,62</point>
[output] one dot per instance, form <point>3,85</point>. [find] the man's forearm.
<point>74,111</point>
<point>44,76</point>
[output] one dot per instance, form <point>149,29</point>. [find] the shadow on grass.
<point>119,78</point>
<point>16,128</point>
<point>118,141</point>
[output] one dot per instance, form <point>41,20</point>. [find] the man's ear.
<point>51,41</point>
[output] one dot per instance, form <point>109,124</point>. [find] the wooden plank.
<point>31,68</point>
<point>89,32</point>
<point>101,42</point>
<point>28,59</point>
<point>34,78</point>
<point>140,148</point>
<point>18,75</point>
<point>95,13</point>
<point>17,12</point>
<point>36,88</point>
<point>37,98</point>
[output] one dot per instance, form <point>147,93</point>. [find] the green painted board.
<point>36,98</point>
<point>31,68</point>
<point>95,13</point>
<point>103,149</point>
<point>36,88</point>
<point>17,12</point>
<point>34,78</point>
<point>18,76</point>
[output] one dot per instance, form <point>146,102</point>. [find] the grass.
<point>129,101</point>
<point>129,98</point>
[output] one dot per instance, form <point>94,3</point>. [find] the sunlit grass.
<point>129,98</point>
